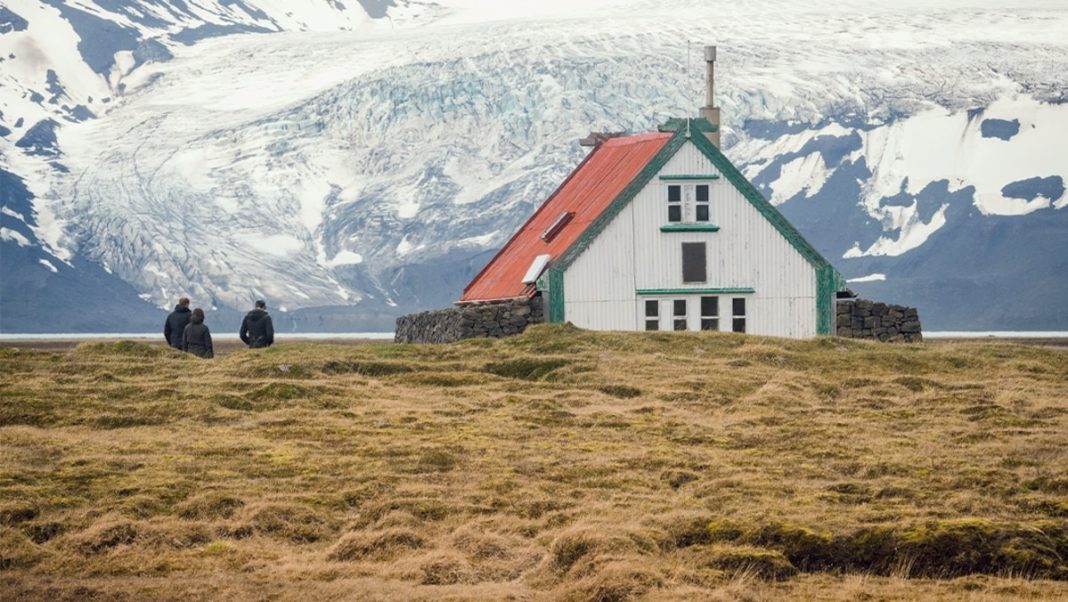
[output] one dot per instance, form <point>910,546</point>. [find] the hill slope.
<point>556,464</point>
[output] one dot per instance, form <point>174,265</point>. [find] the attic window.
<point>550,233</point>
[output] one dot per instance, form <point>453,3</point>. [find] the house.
<point>659,231</point>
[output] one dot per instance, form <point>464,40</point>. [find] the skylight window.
<point>536,268</point>
<point>550,233</point>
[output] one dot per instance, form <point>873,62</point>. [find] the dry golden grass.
<point>561,464</point>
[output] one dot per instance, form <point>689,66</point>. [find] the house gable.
<point>691,130</point>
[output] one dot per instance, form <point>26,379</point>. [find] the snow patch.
<point>345,258</point>
<point>914,233</point>
<point>48,264</point>
<point>938,144</point>
<point>277,245</point>
<point>805,174</point>
<point>15,236</point>
<point>869,278</point>
<point>12,213</point>
<point>483,240</point>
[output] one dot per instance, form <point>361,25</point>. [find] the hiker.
<point>175,324</point>
<point>257,330</point>
<point>196,338</point>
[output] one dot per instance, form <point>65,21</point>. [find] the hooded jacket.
<point>196,338</point>
<point>175,325</point>
<point>257,330</point>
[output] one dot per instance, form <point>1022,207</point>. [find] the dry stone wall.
<point>863,319</point>
<point>497,319</point>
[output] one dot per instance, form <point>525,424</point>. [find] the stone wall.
<point>496,319</point>
<point>863,319</point>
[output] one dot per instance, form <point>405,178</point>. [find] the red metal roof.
<point>589,189</point>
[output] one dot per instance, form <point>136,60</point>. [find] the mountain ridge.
<point>377,168</point>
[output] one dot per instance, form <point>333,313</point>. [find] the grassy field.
<point>560,464</point>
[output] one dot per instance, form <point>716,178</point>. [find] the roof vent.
<point>550,233</point>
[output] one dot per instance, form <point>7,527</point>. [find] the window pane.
<point>739,325</point>
<point>674,193</point>
<point>680,324</point>
<point>702,213</point>
<point>674,213</point>
<point>739,306</point>
<point>652,324</point>
<point>693,262</point>
<point>652,308</point>
<point>709,324</point>
<point>709,306</point>
<point>680,307</point>
<point>702,193</point>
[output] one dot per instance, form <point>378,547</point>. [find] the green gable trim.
<point>556,294</point>
<point>711,176</point>
<point>695,291</point>
<point>757,200</point>
<point>689,228</point>
<point>681,124</point>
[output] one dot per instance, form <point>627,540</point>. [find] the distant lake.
<point>996,334</point>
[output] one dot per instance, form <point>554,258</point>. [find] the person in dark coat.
<point>175,324</point>
<point>196,338</point>
<point>257,330</point>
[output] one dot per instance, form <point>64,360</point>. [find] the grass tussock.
<point>559,464</point>
<point>384,544</point>
<point>942,549</point>
<point>296,523</point>
<point>105,535</point>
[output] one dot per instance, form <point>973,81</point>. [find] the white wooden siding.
<point>747,252</point>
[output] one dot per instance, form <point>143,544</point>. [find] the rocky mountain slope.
<point>370,158</point>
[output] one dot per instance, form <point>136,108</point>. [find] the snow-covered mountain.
<point>374,155</point>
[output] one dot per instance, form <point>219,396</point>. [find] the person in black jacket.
<point>175,324</point>
<point>196,338</point>
<point>257,330</point>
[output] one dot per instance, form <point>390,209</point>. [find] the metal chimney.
<point>710,111</point>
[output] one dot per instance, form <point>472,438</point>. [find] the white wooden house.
<point>659,231</point>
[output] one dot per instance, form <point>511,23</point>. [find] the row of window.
<point>709,313</point>
<point>695,195</point>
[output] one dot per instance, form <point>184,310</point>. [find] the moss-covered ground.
<point>560,464</point>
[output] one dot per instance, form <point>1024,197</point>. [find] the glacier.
<point>375,158</point>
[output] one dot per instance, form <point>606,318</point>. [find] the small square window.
<point>739,325</point>
<point>652,308</point>
<point>674,194</point>
<point>680,324</point>
<point>702,213</point>
<point>739,306</point>
<point>702,193</point>
<point>675,213</point>
<point>652,324</point>
<point>680,307</point>
<point>709,324</point>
